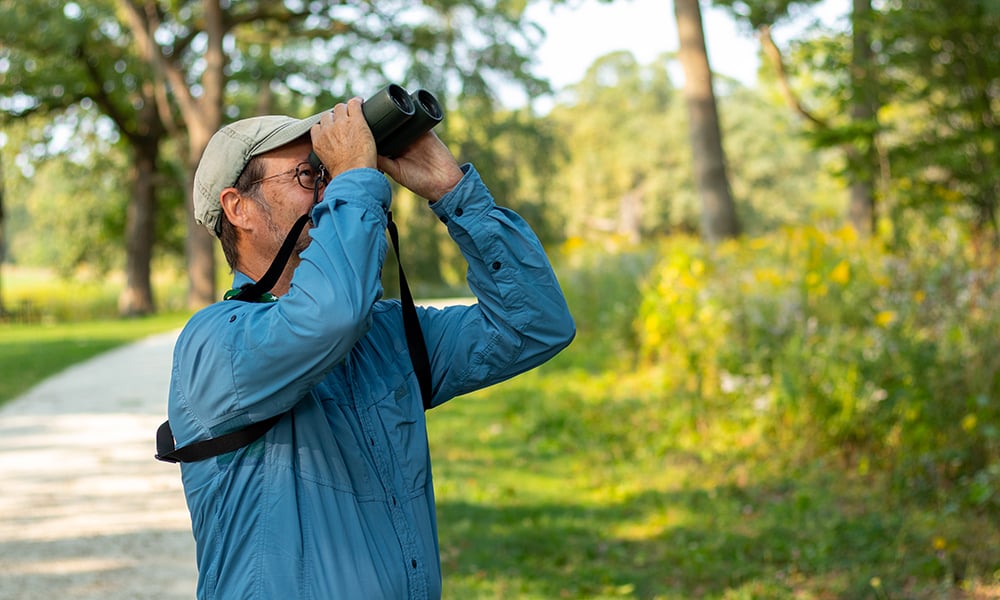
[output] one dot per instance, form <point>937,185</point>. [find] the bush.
<point>830,344</point>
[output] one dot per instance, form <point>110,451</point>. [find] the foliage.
<point>942,131</point>
<point>758,13</point>
<point>625,170</point>
<point>838,348</point>
<point>627,165</point>
<point>778,177</point>
<point>601,283</point>
<point>39,297</point>
<point>934,74</point>
<point>62,216</point>
<point>589,479</point>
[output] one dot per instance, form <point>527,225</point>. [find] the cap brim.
<point>284,134</point>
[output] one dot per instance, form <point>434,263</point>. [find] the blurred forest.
<point>844,312</point>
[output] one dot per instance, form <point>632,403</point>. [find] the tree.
<point>625,166</point>
<point>58,56</point>
<point>623,169</point>
<point>208,61</point>
<point>857,135</point>
<point>718,219</point>
<point>908,96</point>
<point>201,113</point>
<point>861,153</point>
<point>945,72</point>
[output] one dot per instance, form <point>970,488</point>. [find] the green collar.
<point>265,297</point>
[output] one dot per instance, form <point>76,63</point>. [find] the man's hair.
<point>228,236</point>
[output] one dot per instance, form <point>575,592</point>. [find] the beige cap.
<point>228,153</point>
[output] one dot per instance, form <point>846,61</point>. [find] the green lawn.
<point>564,484</point>
<point>31,352</point>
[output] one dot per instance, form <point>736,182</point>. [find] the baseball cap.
<point>228,153</point>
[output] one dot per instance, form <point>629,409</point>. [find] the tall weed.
<point>830,345</point>
<point>601,283</point>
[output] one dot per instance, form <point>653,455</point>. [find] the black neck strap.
<point>411,325</point>
<point>251,292</point>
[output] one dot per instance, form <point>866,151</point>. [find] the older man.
<point>335,499</point>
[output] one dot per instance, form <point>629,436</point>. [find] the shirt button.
<point>458,211</point>
<point>414,563</point>
<point>496,265</point>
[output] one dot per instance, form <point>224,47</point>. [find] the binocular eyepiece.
<point>397,118</point>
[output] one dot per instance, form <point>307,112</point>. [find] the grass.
<point>563,484</point>
<point>31,352</point>
<point>52,322</point>
<point>583,479</point>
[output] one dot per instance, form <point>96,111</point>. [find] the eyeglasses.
<point>305,174</point>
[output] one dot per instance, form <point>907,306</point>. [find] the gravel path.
<point>85,510</point>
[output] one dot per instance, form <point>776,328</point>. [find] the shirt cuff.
<point>469,199</point>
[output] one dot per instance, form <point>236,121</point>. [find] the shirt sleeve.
<point>237,363</point>
<point>520,319</point>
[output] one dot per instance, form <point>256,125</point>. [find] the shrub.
<point>830,344</point>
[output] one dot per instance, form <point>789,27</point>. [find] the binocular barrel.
<point>397,118</point>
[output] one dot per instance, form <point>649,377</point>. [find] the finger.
<point>326,118</point>
<point>339,110</point>
<point>353,106</point>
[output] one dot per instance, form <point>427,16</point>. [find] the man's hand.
<point>342,139</point>
<point>427,167</point>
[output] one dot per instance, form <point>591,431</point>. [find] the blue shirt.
<point>337,499</point>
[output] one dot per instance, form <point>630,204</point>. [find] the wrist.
<point>448,180</point>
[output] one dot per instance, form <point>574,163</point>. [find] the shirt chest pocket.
<point>331,449</point>
<point>365,441</point>
<point>400,417</point>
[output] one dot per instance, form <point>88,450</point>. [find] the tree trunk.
<point>718,212</point>
<point>203,117</point>
<point>137,297</point>
<point>200,245</point>
<point>862,153</point>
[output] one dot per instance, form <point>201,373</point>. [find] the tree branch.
<point>100,96</point>
<point>773,53</point>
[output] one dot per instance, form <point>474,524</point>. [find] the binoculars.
<point>397,118</point>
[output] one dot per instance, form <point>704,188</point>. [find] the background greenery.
<point>810,419</point>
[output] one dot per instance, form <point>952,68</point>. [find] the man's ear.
<point>236,207</point>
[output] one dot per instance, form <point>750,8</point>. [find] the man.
<point>336,499</point>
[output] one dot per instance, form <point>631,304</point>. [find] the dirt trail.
<point>85,510</point>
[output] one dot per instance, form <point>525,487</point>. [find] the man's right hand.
<point>343,140</point>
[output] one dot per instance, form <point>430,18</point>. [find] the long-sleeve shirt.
<point>336,500</point>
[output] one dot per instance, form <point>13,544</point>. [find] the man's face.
<point>284,199</point>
